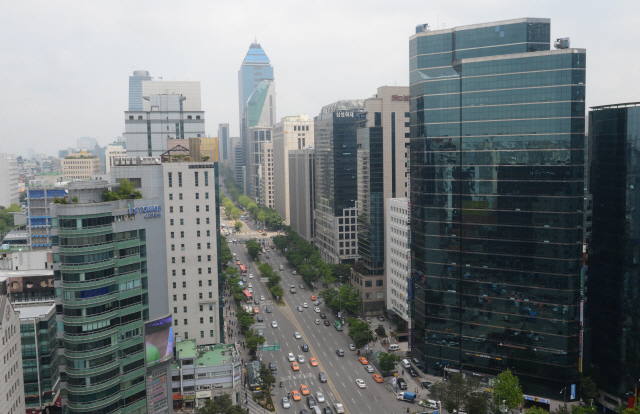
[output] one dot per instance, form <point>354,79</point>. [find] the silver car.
<point>368,368</point>
<point>285,403</point>
<point>319,397</point>
<point>301,358</point>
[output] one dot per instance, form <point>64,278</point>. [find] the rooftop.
<point>26,273</point>
<point>34,311</point>
<point>620,105</point>
<point>215,355</point>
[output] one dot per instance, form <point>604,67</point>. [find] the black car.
<point>268,310</point>
<point>327,410</point>
<point>322,377</point>
<point>402,384</point>
<point>413,372</point>
<point>304,412</point>
<point>326,323</point>
<point>260,318</point>
<point>256,301</point>
<point>311,401</point>
<point>305,347</point>
<point>426,384</point>
<point>272,366</point>
<point>323,316</point>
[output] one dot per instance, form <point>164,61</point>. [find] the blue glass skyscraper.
<point>135,89</point>
<point>497,195</point>
<point>255,68</point>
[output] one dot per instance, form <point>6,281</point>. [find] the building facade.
<point>135,89</point>
<point>38,206</point>
<point>383,139</point>
<point>497,183</point>
<point>9,184</point>
<point>613,262</point>
<point>266,197</point>
<point>336,180</point>
<point>104,296</point>
<point>255,68</point>
<point>203,149</point>
<point>258,137</point>
<point>302,192</point>
<point>238,165</point>
<point>80,166</point>
<point>190,91</point>
<point>111,152</point>
<point>291,133</point>
<point>12,388</point>
<point>223,142</point>
<point>398,257</point>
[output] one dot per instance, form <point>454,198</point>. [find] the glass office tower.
<point>614,251</point>
<point>497,138</point>
<point>135,89</point>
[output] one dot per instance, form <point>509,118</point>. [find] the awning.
<point>177,396</point>
<point>391,313</point>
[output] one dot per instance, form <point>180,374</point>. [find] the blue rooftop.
<point>256,54</point>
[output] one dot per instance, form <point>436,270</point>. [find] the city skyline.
<point>83,79</point>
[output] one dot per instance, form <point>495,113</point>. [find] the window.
<point>182,234</point>
<point>210,319</point>
<point>175,298</point>
<point>173,247</point>
<point>367,295</point>
<point>200,295</point>
<point>210,295</point>
<point>175,322</point>
<point>201,307</point>
<point>183,259</point>
<point>174,285</point>
<point>179,179</point>
<point>197,196</point>
<point>198,220</point>
<point>184,272</point>
<point>175,309</point>
<point>171,196</point>
<point>367,283</point>
<point>179,196</point>
<point>171,222</point>
<point>208,245</point>
<point>209,259</point>
<point>172,235</point>
<point>379,282</point>
<point>379,295</point>
<point>184,296</point>
<point>211,333</point>
<point>181,220</point>
<point>199,283</point>
<point>201,320</point>
<point>206,178</point>
<point>206,207</point>
<point>184,309</point>
<point>170,179</point>
<point>182,211</point>
<point>171,210</point>
<point>198,246</point>
<point>199,258</point>
<point>185,321</point>
<point>195,174</point>
<point>207,220</point>
<point>200,272</point>
<point>184,284</point>
<point>182,247</point>
<point>209,271</point>
<point>201,333</point>
<point>197,209</point>
<point>173,272</point>
<point>186,335</point>
<point>208,233</point>
<point>206,196</point>
<point>173,260</point>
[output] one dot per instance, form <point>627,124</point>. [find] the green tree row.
<point>6,219</point>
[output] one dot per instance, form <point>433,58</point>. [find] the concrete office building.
<point>201,373</point>
<point>497,203</point>
<point>336,180</point>
<point>148,131</point>
<point>398,257</point>
<point>108,284</point>
<point>291,133</point>
<point>223,142</point>
<point>189,191</point>
<point>135,89</point>
<point>38,201</point>
<point>9,184</point>
<point>190,91</point>
<point>254,69</point>
<point>266,196</point>
<point>80,166</point>
<point>302,192</point>
<point>40,359</point>
<point>257,137</point>
<point>612,255</point>
<point>383,140</point>
<point>111,152</point>
<point>12,388</point>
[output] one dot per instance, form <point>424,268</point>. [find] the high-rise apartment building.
<point>9,185</point>
<point>613,254</point>
<point>291,133</point>
<point>80,166</point>
<point>135,89</point>
<point>255,68</point>
<point>398,257</point>
<point>223,142</point>
<point>336,180</point>
<point>106,289</point>
<point>12,388</point>
<point>302,192</point>
<point>383,140</point>
<point>147,132</point>
<point>266,196</point>
<point>189,191</point>
<point>497,203</point>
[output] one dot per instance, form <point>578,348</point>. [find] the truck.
<point>281,268</point>
<point>292,289</point>
<point>407,396</point>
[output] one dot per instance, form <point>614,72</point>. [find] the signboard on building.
<point>157,395</point>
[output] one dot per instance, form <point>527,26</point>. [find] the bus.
<point>243,270</point>
<point>247,296</point>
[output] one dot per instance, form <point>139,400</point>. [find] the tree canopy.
<point>507,387</point>
<point>387,361</point>
<point>222,404</point>
<point>253,248</point>
<point>225,252</point>
<point>126,191</point>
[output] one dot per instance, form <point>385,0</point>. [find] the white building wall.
<point>291,133</point>
<point>112,152</point>
<point>398,255</point>
<point>11,377</point>
<point>9,186</point>
<point>189,89</point>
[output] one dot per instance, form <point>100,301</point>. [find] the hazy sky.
<point>65,64</point>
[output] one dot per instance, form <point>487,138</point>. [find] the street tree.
<point>588,389</point>
<point>244,201</point>
<point>220,405</point>
<point>359,332</point>
<point>245,319</point>
<point>267,379</point>
<point>252,208</point>
<point>253,248</point>
<point>387,361</point>
<point>225,252</point>
<point>457,393</point>
<point>277,291</point>
<point>235,213</point>
<point>506,387</point>
<point>238,225</point>
<point>537,410</point>
<point>477,404</point>
<point>253,341</point>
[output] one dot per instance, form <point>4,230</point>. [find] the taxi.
<point>295,395</point>
<point>313,362</point>
<point>295,366</point>
<point>313,297</point>
<point>378,378</point>
<point>256,310</point>
<point>304,390</point>
<point>363,361</point>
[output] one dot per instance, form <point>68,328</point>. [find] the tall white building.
<point>266,175</point>
<point>190,90</point>
<point>190,212</point>
<point>164,118</point>
<point>291,133</point>
<point>112,152</point>
<point>398,256</point>
<point>12,388</point>
<point>9,186</point>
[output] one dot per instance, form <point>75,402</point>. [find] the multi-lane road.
<point>323,341</point>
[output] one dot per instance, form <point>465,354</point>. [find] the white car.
<point>300,308</point>
<point>291,357</point>
<point>250,290</point>
<point>285,403</point>
<point>339,407</point>
<point>361,383</point>
<point>301,358</point>
<point>274,324</point>
<point>368,368</point>
<point>317,310</point>
<point>250,275</point>
<point>250,285</point>
<point>297,335</point>
<point>319,397</point>
<point>304,305</point>
<point>261,297</point>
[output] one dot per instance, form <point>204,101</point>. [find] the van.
<point>316,410</point>
<point>393,347</point>
<point>406,364</point>
<point>281,268</point>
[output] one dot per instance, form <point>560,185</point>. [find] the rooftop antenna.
<point>255,39</point>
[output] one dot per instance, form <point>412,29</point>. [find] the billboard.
<point>158,340</point>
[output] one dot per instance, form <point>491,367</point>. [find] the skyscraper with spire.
<point>255,68</point>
